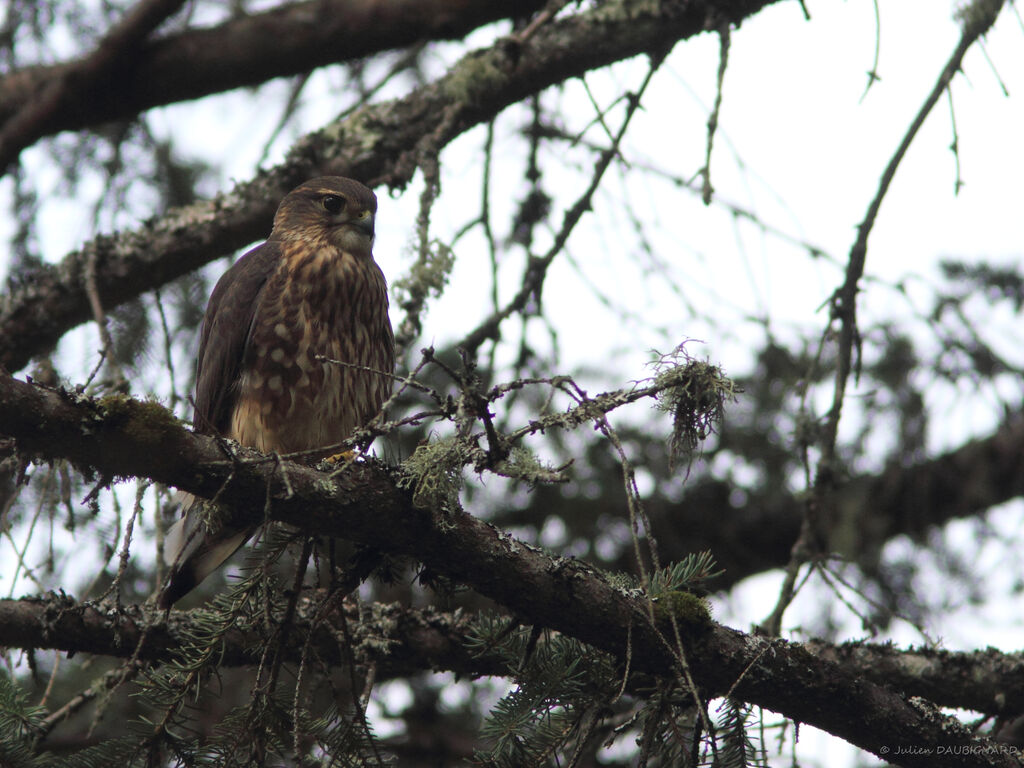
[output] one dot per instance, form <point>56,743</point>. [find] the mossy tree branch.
<point>380,145</point>
<point>248,50</point>
<point>400,640</point>
<point>396,639</point>
<point>118,436</point>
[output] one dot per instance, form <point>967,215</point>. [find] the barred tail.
<point>193,552</point>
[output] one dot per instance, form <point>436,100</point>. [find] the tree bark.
<point>118,436</point>
<point>248,50</point>
<point>402,641</point>
<point>379,145</point>
<point>398,641</point>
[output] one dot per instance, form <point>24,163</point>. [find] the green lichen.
<point>618,10</point>
<point>324,487</point>
<point>798,653</point>
<point>144,421</point>
<point>686,607</point>
<point>694,392</point>
<point>472,78</point>
<point>358,132</point>
<point>434,473</point>
<point>427,277</point>
<point>524,465</point>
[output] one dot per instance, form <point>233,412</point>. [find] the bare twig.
<point>954,146</point>
<point>542,18</point>
<point>107,353</point>
<point>110,681</point>
<point>724,38</point>
<point>873,72</point>
<point>976,19</point>
<point>536,268</point>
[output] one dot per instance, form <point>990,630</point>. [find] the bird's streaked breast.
<point>320,303</point>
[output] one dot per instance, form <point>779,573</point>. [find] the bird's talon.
<point>343,457</point>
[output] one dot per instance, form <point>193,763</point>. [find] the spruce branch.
<point>124,437</point>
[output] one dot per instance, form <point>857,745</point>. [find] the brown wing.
<point>190,550</point>
<point>225,337</point>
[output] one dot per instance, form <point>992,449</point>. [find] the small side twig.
<point>537,267</point>
<point>725,39</point>
<point>976,18</point>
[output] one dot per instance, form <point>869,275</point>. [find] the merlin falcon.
<point>311,294</point>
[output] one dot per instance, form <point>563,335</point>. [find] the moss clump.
<point>144,421</point>
<point>694,392</point>
<point>476,76</point>
<point>685,607</point>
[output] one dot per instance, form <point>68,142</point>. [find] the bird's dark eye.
<point>333,203</point>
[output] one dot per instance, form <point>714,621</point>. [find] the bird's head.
<point>329,209</point>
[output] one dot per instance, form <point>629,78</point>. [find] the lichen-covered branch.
<point>234,54</point>
<point>115,54</point>
<point>119,436</point>
<point>398,640</point>
<point>986,681</point>
<point>378,144</point>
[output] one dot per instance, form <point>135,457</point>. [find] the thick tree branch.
<point>113,57</point>
<point>398,641</point>
<point>246,51</point>
<point>986,681</point>
<point>118,436</point>
<point>378,145</point>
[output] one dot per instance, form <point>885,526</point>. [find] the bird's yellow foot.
<point>343,457</point>
<point>338,463</point>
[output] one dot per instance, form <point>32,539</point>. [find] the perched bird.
<point>311,291</point>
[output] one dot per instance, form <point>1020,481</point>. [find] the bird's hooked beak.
<point>364,222</point>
